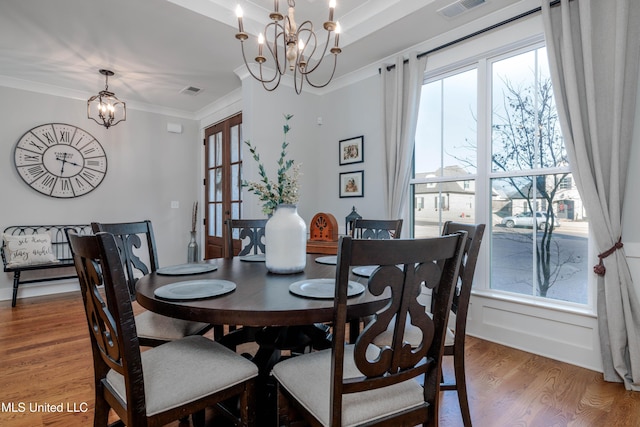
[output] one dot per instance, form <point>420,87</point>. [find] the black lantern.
<point>105,108</point>
<point>348,226</point>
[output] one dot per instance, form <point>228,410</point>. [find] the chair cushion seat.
<point>308,379</point>
<point>186,370</point>
<point>156,326</point>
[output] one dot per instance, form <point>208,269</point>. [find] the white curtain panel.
<point>594,54</point>
<point>401,89</point>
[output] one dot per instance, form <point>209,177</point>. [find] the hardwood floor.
<point>46,365</point>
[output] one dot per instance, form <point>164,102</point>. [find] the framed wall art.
<point>352,184</point>
<point>351,150</point>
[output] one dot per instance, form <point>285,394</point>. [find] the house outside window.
<point>488,135</point>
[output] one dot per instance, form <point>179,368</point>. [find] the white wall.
<point>346,113</point>
<point>147,169</point>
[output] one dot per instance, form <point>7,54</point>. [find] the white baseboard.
<point>29,290</point>
<point>567,337</point>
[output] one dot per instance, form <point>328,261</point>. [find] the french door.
<point>223,182</point>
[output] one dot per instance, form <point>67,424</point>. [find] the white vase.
<point>285,241</point>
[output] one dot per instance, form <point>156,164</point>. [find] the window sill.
<point>537,302</point>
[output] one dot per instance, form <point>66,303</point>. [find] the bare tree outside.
<point>527,136</point>
<point>530,166</point>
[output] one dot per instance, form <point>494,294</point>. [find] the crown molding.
<point>78,95</point>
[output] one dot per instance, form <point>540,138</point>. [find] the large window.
<point>495,142</point>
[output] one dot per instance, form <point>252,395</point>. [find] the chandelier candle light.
<point>291,46</point>
<point>104,108</point>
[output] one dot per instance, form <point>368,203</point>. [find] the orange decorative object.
<point>323,234</point>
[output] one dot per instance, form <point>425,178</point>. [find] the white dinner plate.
<point>194,289</point>
<point>364,271</point>
<point>253,258</point>
<point>185,269</point>
<point>322,288</point>
<point>331,260</point>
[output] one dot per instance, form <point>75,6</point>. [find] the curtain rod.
<point>468,36</point>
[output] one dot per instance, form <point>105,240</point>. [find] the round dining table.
<point>260,298</point>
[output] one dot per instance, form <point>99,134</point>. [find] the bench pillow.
<point>25,250</point>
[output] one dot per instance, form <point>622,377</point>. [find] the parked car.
<point>525,219</point>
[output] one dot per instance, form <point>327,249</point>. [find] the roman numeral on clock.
<point>35,171</point>
<point>49,180</point>
<point>65,136</point>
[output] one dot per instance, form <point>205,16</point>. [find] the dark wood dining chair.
<point>137,246</point>
<point>162,384</point>
<point>250,237</point>
<point>457,324</point>
<point>377,228</point>
<point>362,384</point>
<point>243,237</point>
<point>372,229</point>
<point>459,309</point>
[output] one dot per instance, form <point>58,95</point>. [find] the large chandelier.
<point>104,108</point>
<point>291,46</point>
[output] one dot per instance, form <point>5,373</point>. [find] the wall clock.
<point>60,160</point>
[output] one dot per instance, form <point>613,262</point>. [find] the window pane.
<point>446,131</point>
<point>211,179</point>
<point>218,181</point>
<point>428,149</point>
<point>434,204</point>
<point>211,144</point>
<point>235,210</point>
<point>218,149</point>
<point>219,218</point>
<point>538,243</point>
<point>525,128</point>
<point>211,224</point>
<point>236,184</point>
<point>235,144</point>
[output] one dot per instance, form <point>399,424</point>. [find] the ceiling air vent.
<point>191,90</point>
<point>458,7</point>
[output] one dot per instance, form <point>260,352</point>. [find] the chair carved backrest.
<point>377,228</point>
<point>129,242</point>
<point>404,266</point>
<point>251,234</point>
<point>112,330</point>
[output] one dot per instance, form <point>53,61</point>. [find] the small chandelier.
<point>291,46</point>
<point>104,108</point>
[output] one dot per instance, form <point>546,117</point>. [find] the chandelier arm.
<point>124,112</point>
<point>278,31</point>
<point>271,89</point>
<point>307,42</point>
<point>315,46</point>
<point>261,79</point>
<point>276,77</point>
<point>296,77</point>
<point>318,86</point>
